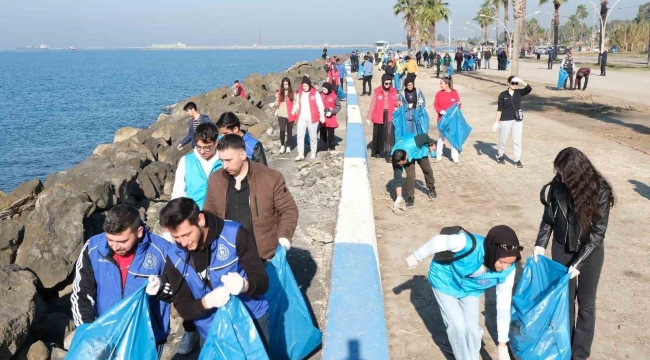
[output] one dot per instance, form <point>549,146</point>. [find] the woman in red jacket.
<point>332,106</point>
<point>284,102</point>
<point>333,77</point>
<point>308,110</point>
<point>445,98</point>
<point>384,101</point>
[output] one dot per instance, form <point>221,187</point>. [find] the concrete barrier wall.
<point>356,324</point>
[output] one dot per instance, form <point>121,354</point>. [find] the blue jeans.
<point>461,319</point>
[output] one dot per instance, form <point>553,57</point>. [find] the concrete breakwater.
<point>43,226</point>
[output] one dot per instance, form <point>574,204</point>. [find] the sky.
<point>122,23</point>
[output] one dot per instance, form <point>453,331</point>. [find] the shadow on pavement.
<point>641,188</point>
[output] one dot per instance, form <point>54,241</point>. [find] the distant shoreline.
<point>207,47</point>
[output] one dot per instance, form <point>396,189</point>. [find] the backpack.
<point>448,257</point>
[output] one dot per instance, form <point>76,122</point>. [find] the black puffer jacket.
<point>560,220</point>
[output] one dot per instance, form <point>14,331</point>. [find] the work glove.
<point>496,126</point>
<point>503,352</point>
<point>368,122</point>
<point>538,251</point>
<point>285,242</point>
<point>397,203</point>
<point>573,271</point>
<point>179,146</point>
<point>322,120</point>
<point>234,283</point>
<point>443,112</point>
<point>216,298</point>
<point>153,286</point>
<point>328,114</point>
<point>412,261</point>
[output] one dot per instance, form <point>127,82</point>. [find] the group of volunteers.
<point>228,214</point>
<point>575,203</point>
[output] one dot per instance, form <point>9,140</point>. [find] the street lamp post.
<point>449,38</point>
<point>497,20</point>
<point>603,24</point>
<point>476,26</point>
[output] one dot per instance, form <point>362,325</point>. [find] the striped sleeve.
<point>84,289</point>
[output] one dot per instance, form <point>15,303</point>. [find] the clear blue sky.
<point>117,23</point>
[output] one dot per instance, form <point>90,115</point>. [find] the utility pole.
<point>449,38</point>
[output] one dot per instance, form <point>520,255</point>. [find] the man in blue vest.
<point>229,124</point>
<point>408,150</point>
<point>115,264</point>
<point>213,260</point>
<point>192,174</point>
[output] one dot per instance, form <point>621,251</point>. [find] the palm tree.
<point>485,21</point>
<point>556,22</point>
<point>506,15</point>
<point>582,12</point>
<point>603,17</point>
<point>407,9</point>
<point>430,12</point>
<point>519,11</point>
<point>572,24</point>
<point>496,4</point>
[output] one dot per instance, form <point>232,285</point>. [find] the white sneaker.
<point>187,342</point>
<point>282,150</point>
<point>312,156</point>
<point>300,158</point>
<point>438,158</point>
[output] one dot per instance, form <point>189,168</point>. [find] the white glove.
<point>328,114</point>
<point>573,271</point>
<point>285,242</point>
<point>538,251</point>
<point>153,286</point>
<point>443,112</point>
<point>368,122</point>
<point>516,79</point>
<point>179,146</point>
<point>496,126</point>
<point>412,261</point>
<point>234,283</point>
<point>503,352</point>
<point>322,120</point>
<point>216,298</point>
<point>398,201</point>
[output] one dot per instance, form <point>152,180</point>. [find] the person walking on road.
<point>603,63</point>
<point>341,69</point>
<point>412,99</point>
<point>418,57</point>
<point>437,60</point>
<point>284,101</point>
<point>481,263</point>
<point>551,57</point>
<point>380,114</point>
<point>367,75</point>
<point>584,198</point>
<point>478,57</point>
<point>446,61</point>
<point>196,119</point>
<point>425,58</point>
<point>332,105</point>
<point>333,76</point>
<point>309,111</point>
<point>229,123</point>
<point>567,65</point>
<point>411,67</point>
<point>509,118</point>
<point>582,73</point>
<point>459,61</point>
<point>445,98</point>
<point>408,150</point>
<point>487,55</point>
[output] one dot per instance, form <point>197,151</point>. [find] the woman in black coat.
<point>576,212</point>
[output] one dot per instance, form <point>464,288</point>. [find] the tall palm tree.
<point>603,17</point>
<point>556,22</point>
<point>582,12</point>
<point>506,15</point>
<point>519,10</point>
<point>497,4</point>
<point>430,12</point>
<point>407,9</point>
<point>572,24</point>
<point>485,21</point>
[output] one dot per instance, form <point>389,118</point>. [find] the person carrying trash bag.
<point>413,101</point>
<point>576,213</point>
<point>561,79</point>
<point>451,123</point>
<point>463,267</point>
<point>408,150</point>
<point>213,260</point>
<point>116,264</point>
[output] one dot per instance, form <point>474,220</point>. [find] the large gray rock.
<point>58,354</point>
<point>21,199</point>
<point>159,172</point>
<point>258,129</point>
<point>11,235</point>
<point>156,146</point>
<point>17,308</point>
<point>248,120</point>
<point>125,133</point>
<point>38,351</point>
<point>144,187</point>
<point>54,234</point>
<point>163,116</point>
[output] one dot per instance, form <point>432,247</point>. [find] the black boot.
<point>432,193</point>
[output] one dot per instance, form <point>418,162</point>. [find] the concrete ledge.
<point>356,324</point>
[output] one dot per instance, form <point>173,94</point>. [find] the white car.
<point>542,50</point>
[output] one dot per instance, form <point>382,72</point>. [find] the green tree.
<point>556,22</point>
<point>429,13</point>
<point>571,25</point>
<point>485,21</point>
<point>407,8</point>
<point>581,12</point>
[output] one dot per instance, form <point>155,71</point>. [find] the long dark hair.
<point>584,183</point>
<point>286,79</point>
<point>449,81</point>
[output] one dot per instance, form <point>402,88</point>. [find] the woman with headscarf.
<point>411,99</point>
<point>309,110</point>
<point>332,106</point>
<point>583,197</point>
<point>380,113</point>
<point>463,267</point>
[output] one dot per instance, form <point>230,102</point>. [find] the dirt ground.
<point>478,193</point>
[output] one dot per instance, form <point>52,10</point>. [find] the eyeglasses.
<point>204,148</point>
<point>514,83</point>
<point>507,247</point>
<point>388,83</point>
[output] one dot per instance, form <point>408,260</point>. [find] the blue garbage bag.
<point>124,332</point>
<point>360,72</point>
<point>507,64</point>
<point>233,335</point>
<point>454,127</point>
<point>562,78</point>
<point>540,324</point>
<point>399,122</point>
<point>450,70</point>
<point>341,94</point>
<point>293,335</point>
<point>421,118</point>
<point>396,82</point>
<point>469,64</point>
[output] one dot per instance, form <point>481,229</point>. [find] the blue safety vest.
<point>407,143</point>
<point>454,280</point>
<point>250,143</point>
<point>223,260</point>
<point>196,181</point>
<point>149,259</point>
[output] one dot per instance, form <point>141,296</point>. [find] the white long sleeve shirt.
<point>456,243</point>
<point>179,181</point>
<point>305,109</point>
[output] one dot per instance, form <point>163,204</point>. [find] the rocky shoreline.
<point>43,226</point>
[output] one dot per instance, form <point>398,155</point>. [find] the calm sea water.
<point>58,105</point>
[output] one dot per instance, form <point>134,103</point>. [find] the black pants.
<point>189,326</point>
<point>477,64</point>
<point>459,65</point>
<point>383,137</point>
<point>569,79</point>
<point>603,68</point>
<point>367,79</point>
<point>286,127</point>
<point>329,138</point>
<point>579,80</point>
<point>418,61</point>
<point>262,326</point>
<point>410,176</point>
<point>550,64</point>
<point>583,288</point>
<point>438,70</point>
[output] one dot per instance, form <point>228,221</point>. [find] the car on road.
<point>543,50</point>
<point>562,50</point>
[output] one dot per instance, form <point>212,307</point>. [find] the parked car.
<point>562,50</point>
<point>543,50</point>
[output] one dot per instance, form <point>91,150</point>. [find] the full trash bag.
<point>360,72</point>
<point>124,332</point>
<point>540,324</point>
<point>233,335</point>
<point>561,79</point>
<point>396,82</point>
<point>450,70</point>
<point>341,93</point>
<point>293,334</point>
<point>453,126</point>
<point>422,122</point>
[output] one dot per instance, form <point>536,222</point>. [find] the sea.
<point>57,106</point>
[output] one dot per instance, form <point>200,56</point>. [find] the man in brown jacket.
<point>253,195</point>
